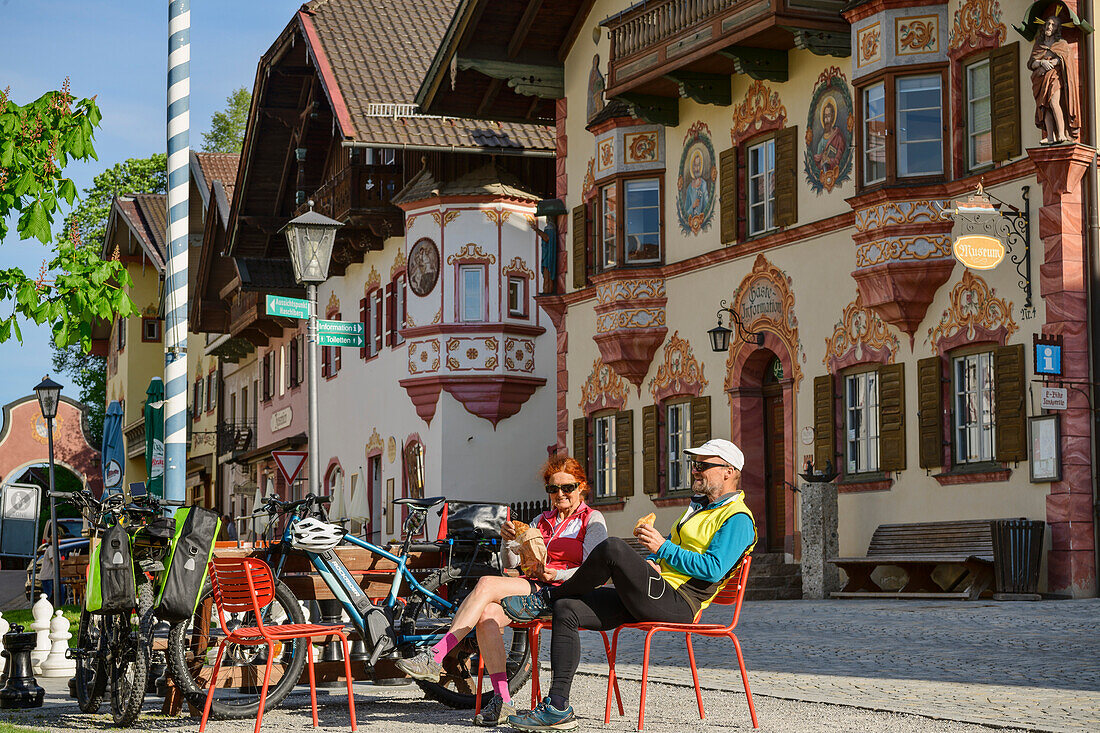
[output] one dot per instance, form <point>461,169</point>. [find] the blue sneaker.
<point>526,608</point>
<point>545,716</point>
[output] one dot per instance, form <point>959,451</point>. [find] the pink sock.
<point>500,686</point>
<point>444,647</point>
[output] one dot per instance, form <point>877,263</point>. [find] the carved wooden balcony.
<point>663,50</point>
<point>248,318</point>
<point>359,196</point>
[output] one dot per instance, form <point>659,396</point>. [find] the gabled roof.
<point>146,216</point>
<point>206,168</point>
<point>488,180</point>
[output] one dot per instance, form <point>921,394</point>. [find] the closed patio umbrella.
<point>154,437</point>
<point>113,450</point>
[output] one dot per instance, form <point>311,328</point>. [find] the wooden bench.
<point>918,549</point>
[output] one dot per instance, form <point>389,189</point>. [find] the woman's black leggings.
<point>640,594</point>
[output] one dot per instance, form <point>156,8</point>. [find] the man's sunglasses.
<point>701,466</point>
<point>563,488</point>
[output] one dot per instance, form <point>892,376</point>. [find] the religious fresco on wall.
<point>696,183</point>
<point>596,86</point>
<point>829,130</point>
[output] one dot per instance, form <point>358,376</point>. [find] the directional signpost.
<point>283,307</point>
<point>340,333</point>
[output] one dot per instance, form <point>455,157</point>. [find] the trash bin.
<point>1017,550</point>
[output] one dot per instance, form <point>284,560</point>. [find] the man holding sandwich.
<point>674,584</point>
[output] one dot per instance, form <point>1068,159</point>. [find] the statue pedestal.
<point>819,540</point>
<point>1062,285</point>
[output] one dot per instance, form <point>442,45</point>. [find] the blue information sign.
<point>1048,359</point>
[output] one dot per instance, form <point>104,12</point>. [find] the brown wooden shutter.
<point>364,318</point>
<point>580,444</point>
<point>1011,408</point>
<point>1004,100</point>
<point>377,321</point>
<point>336,351</point>
<point>301,357</point>
<point>727,194</point>
<point>580,247</point>
<point>700,420</point>
<point>624,453</point>
<point>651,449</point>
<point>390,312</point>
<point>930,414</point>
<point>786,177</point>
<point>824,445</point>
<point>891,417</point>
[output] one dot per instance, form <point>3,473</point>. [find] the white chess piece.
<point>55,665</point>
<point>41,612</point>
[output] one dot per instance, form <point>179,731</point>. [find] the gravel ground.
<point>669,708</point>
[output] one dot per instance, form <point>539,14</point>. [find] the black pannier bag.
<point>118,591</point>
<point>469,521</point>
<point>187,563</point>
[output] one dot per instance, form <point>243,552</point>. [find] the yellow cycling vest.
<point>695,535</point>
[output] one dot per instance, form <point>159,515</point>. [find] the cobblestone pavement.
<point>1033,665</point>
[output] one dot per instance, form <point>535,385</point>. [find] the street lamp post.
<point>49,394</point>
<point>310,238</point>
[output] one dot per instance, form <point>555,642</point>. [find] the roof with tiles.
<point>147,217</point>
<point>378,52</point>
<point>488,180</point>
<point>218,167</point>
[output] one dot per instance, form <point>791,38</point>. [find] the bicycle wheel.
<point>193,648</point>
<point>91,669</point>
<point>129,658</point>
<point>457,685</point>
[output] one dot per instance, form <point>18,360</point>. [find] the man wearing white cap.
<point>674,584</point>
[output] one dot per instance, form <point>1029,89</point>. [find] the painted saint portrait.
<point>696,184</point>
<point>423,269</point>
<point>828,159</point>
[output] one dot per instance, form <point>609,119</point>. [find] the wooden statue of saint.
<point>1055,84</point>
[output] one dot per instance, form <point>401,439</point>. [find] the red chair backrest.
<point>733,592</point>
<point>241,584</point>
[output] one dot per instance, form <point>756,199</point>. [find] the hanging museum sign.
<point>979,251</point>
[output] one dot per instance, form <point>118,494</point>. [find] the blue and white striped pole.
<point>179,152</point>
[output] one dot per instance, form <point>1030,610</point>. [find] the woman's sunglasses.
<point>563,488</point>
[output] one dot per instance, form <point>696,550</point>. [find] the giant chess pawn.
<point>56,665</point>
<point>42,611</point>
<point>3,653</point>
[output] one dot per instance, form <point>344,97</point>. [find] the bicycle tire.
<point>185,648</point>
<point>456,687</point>
<point>91,668</point>
<point>130,659</point>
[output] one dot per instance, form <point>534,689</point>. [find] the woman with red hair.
<point>571,529</point>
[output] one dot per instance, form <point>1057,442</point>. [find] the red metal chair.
<point>246,584</point>
<point>534,628</point>
<point>732,594</point>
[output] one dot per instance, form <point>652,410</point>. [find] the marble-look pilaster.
<point>820,540</point>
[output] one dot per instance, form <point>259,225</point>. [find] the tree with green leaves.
<point>226,134</point>
<point>37,140</point>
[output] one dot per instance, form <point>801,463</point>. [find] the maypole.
<point>179,153</point>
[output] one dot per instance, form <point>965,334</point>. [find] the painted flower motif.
<point>471,353</point>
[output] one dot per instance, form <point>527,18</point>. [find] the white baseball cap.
<point>723,449</point>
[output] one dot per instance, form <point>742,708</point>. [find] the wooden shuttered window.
<point>580,247</point>
<point>364,318</point>
<point>1004,100</point>
<point>335,350</point>
<point>580,444</point>
<point>891,417</point>
<point>700,420</point>
<point>378,330</point>
<point>1011,408</point>
<point>727,194</point>
<point>326,364</point>
<point>624,453</point>
<point>786,177</point>
<point>651,449</point>
<point>391,312</point>
<point>824,441</point>
<point>930,411</point>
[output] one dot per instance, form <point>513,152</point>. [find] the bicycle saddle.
<point>426,503</point>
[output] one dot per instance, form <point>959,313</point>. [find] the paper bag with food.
<point>530,545</point>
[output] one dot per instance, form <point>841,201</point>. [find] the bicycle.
<point>108,649</point>
<point>421,618</point>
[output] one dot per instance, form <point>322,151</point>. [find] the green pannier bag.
<point>187,563</point>
<point>111,586</point>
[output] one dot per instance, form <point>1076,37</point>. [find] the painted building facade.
<point>794,165</point>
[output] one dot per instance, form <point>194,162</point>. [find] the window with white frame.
<point>974,392</point>
<point>517,296</point>
<point>861,422</point>
<point>608,229</point>
<point>643,220</point>
<point>399,316</point>
<point>678,438</point>
<point>920,125</point>
<point>471,299</point>
<point>874,133</point>
<point>605,455</point>
<point>761,179</point>
<point>979,121</point>
<point>374,323</point>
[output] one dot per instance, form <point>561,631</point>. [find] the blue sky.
<point>117,50</point>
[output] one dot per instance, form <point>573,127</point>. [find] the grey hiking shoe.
<point>494,712</point>
<point>421,667</point>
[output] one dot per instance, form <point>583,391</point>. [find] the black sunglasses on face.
<point>701,466</point>
<point>563,488</point>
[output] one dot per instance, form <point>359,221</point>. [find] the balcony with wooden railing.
<point>248,318</point>
<point>668,49</point>
<point>359,196</point>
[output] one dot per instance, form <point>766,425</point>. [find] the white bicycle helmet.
<point>313,535</point>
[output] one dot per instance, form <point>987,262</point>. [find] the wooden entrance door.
<point>774,463</point>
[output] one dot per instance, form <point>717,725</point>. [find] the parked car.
<point>66,547</point>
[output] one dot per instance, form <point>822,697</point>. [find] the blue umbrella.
<point>113,456</point>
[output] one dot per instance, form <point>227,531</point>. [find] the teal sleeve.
<point>725,549</point>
